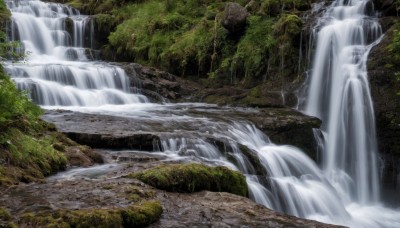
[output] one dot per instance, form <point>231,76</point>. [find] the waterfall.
<point>343,190</point>
<point>339,95</point>
<point>56,39</point>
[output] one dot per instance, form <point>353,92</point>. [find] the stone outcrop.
<point>383,67</point>
<point>282,125</point>
<point>60,199</point>
<point>234,17</point>
<point>154,83</point>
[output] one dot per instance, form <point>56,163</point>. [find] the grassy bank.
<point>187,37</point>
<point>30,149</point>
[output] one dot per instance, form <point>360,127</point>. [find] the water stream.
<point>60,74</point>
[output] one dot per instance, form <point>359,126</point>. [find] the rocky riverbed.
<point>106,187</point>
<point>128,140</point>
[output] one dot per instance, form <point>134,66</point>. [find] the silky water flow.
<point>60,73</point>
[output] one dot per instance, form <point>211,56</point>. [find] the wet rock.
<point>382,69</point>
<point>82,156</point>
<point>386,7</point>
<point>282,125</point>
<point>235,17</point>
<point>154,83</point>
<point>60,200</point>
<point>136,141</point>
<point>194,178</point>
<point>287,126</point>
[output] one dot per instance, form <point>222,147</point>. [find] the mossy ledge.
<point>6,219</point>
<point>187,178</point>
<point>134,216</point>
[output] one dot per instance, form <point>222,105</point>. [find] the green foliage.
<point>27,157</point>
<point>7,49</point>
<point>28,152</point>
<point>185,37</point>
<point>4,12</point>
<point>255,47</point>
<point>193,178</point>
<point>394,47</point>
<point>134,216</point>
<point>15,107</point>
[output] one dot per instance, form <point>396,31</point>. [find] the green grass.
<point>25,153</point>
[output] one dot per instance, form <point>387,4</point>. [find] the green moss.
<point>28,152</point>
<point>42,220</point>
<point>15,107</point>
<point>135,216</point>
<point>193,178</point>
<point>142,215</point>
<point>93,218</point>
<point>4,215</point>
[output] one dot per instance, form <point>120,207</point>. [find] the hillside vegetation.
<point>30,149</point>
<point>189,38</point>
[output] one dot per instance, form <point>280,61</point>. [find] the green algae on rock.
<point>193,178</point>
<point>140,215</point>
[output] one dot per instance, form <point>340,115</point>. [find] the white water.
<point>339,95</point>
<point>57,70</point>
<point>58,74</point>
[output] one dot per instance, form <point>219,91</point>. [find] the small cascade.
<point>58,71</point>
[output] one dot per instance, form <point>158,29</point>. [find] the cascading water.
<point>339,95</point>
<point>58,74</point>
<point>58,71</point>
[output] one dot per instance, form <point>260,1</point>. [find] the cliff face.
<point>384,68</point>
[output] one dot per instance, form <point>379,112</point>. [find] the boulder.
<point>235,17</point>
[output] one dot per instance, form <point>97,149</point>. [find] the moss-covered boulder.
<point>6,219</point>
<point>135,216</point>
<point>234,17</point>
<point>193,178</point>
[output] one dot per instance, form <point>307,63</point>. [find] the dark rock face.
<point>154,83</point>
<point>136,141</point>
<point>386,7</point>
<point>234,17</point>
<point>385,86</point>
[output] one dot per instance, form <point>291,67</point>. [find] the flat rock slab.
<point>113,190</point>
<point>141,130</point>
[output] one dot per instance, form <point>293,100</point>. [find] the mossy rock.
<point>4,215</point>
<point>141,215</point>
<point>135,216</point>
<point>193,178</point>
<point>6,219</point>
